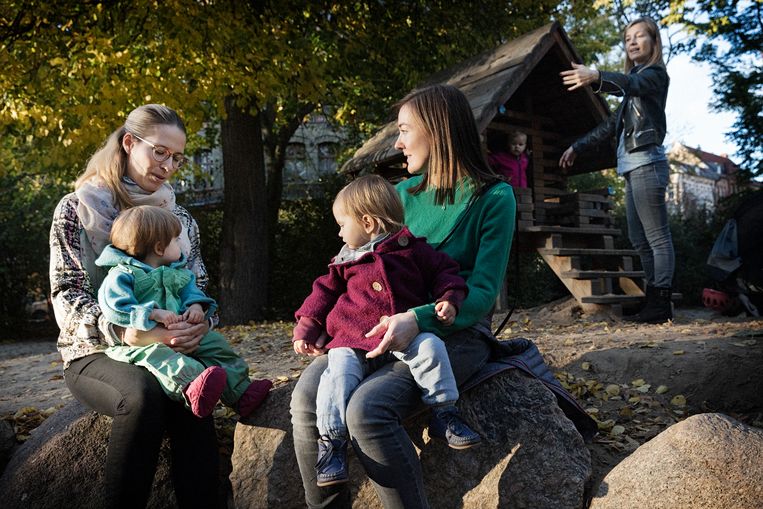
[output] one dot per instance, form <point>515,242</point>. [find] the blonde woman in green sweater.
<point>456,201</point>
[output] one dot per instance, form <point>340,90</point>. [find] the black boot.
<point>658,307</point>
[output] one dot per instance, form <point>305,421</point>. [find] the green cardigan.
<point>480,245</point>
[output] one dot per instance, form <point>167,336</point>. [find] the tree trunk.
<point>244,260</point>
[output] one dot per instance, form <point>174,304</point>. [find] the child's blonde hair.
<point>372,195</point>
<point>138,230</point>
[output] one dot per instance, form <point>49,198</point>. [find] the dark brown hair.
<point>455,151</point>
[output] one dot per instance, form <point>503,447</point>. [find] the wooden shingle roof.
<point>488,80</point>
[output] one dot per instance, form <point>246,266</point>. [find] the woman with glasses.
<point>132,168</point>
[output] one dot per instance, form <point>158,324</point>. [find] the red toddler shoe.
<point>253,397</point>
<point>205,391</point>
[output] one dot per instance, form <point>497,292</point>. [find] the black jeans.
<point>142,414</point>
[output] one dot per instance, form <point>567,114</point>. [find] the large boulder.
<point>531,455</point>
<point>61,465</point>
<point>7,442</point>
<point>704,462</point>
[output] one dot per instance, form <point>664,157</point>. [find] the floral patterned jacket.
<point>74,286</point>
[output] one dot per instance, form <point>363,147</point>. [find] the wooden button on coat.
<point>403,241</point>
<point>376,286</point>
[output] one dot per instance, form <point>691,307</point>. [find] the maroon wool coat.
<point>402,272</point>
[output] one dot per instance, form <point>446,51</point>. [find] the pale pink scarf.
<point>97,209</point>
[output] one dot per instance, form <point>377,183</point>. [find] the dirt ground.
<point>635,380</point>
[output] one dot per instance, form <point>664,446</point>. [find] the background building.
<point>698,179</point>
<point>310,155</point>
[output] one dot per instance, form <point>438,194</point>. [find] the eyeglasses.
<point>161,154</point>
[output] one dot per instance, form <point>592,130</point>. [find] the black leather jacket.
<point>641,113</point>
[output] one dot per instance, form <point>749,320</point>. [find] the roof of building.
<point>701,163</point>
<point>489,79</point>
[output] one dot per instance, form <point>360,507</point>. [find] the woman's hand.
<point>568,158</point>
<point>399,330</point>
<point>185,337</point>
<point>579,76</point>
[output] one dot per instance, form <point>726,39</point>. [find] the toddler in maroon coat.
<point>381,270</point>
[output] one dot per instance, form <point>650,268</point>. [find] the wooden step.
<point>570,251</point>
<point>612,299</point>
<point>620,299</point>
<point>595,274</point>
<point>571,229</point>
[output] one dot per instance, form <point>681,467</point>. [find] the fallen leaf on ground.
<point>605,425</point>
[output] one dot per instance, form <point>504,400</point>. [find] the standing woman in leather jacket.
<point>638,126</point>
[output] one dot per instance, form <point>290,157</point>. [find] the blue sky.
<point>689,118</point>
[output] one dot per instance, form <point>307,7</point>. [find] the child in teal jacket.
<point>148,284</point>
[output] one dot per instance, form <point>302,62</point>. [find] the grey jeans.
<point>375,415</point>
<point>647,217</point>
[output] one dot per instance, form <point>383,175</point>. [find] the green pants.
<point>175,371</point>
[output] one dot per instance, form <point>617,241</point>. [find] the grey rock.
<point>7,442</point>
<point>706,461</point>
<point>531,455</point>
<point>61,465</point>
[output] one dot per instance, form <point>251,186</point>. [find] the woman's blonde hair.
<point>654,34</point>
<point>372,195</point>
<point>137,230</point>
<point>109,162</point>
<point>455,151</point>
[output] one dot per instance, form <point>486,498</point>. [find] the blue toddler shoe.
<point>331,467</point>
<point>446,424</point>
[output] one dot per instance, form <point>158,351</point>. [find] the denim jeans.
<point>647,217</point>
<point>375,415</point>
<point>142,414</point>
<point>426,357</point>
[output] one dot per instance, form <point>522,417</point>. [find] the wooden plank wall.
<point>546,181</point>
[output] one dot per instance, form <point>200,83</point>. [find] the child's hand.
<point>302,347</point>
<point>165,317</point>
<point>446,312</point>
<point>194,313</point>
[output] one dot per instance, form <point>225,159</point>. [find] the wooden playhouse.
<point>517,86</point>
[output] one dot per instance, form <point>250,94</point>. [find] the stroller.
<point>736,262</point>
